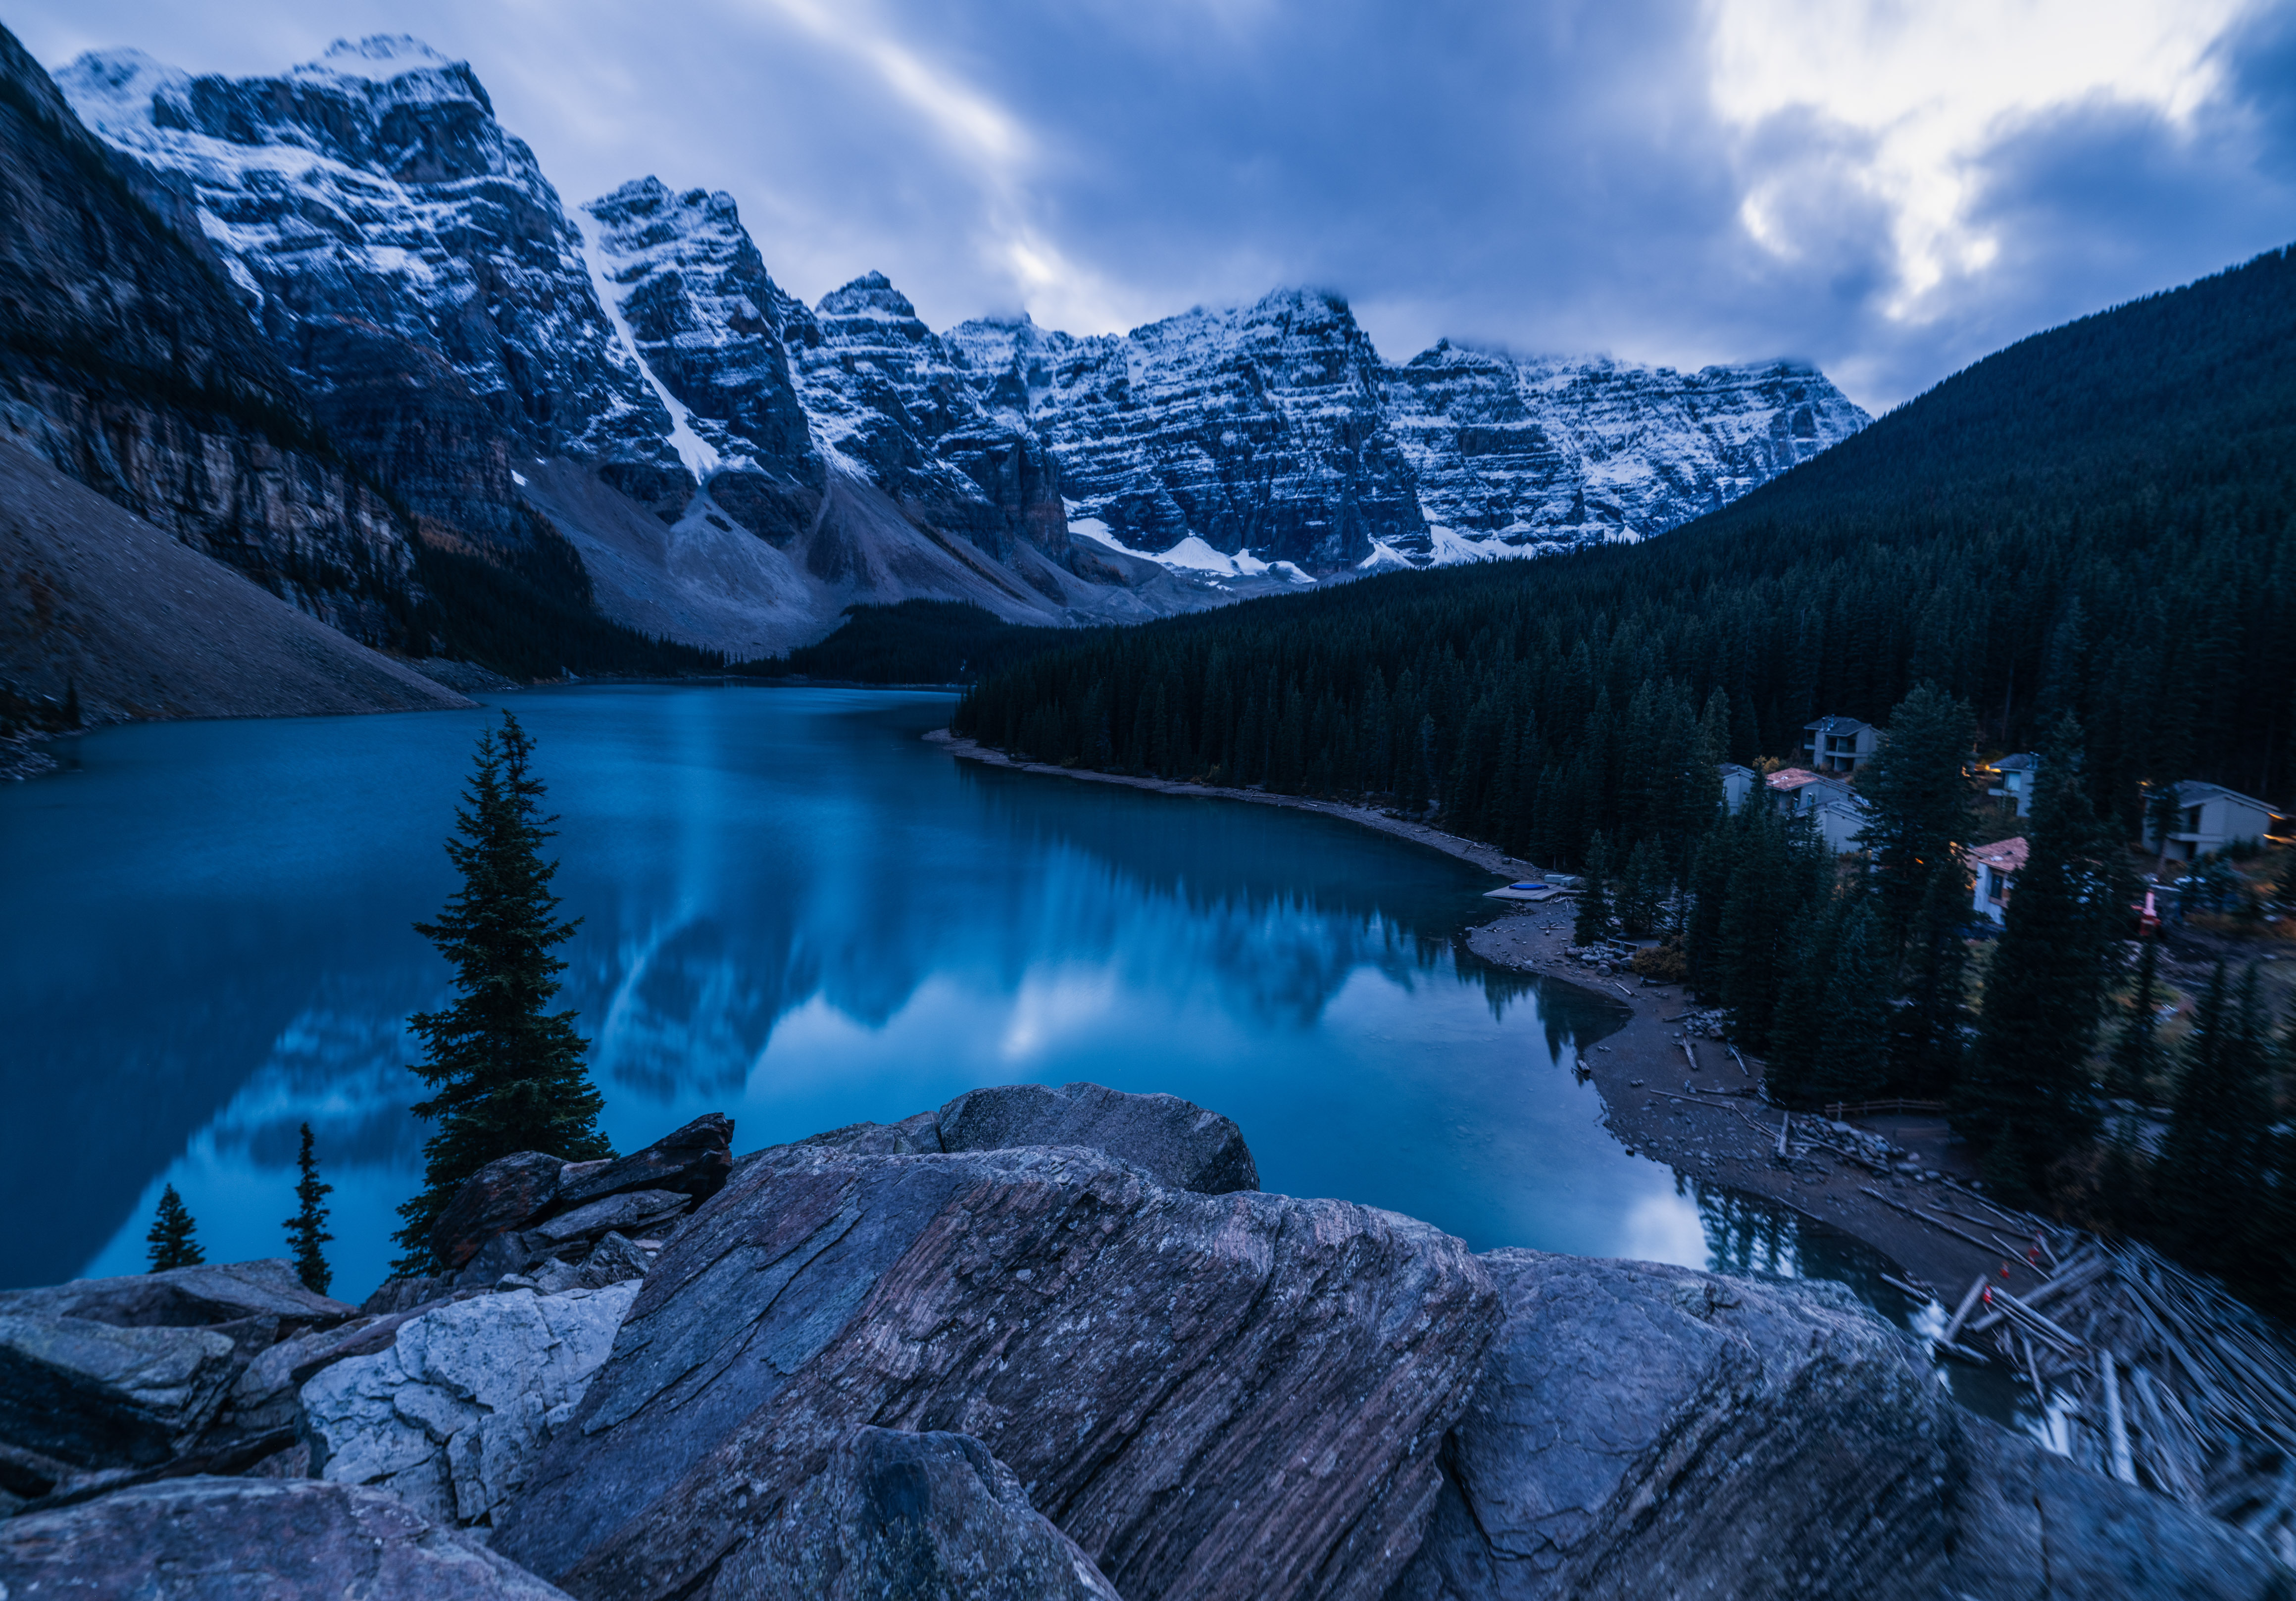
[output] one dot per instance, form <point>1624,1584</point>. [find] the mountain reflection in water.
<point>795,911</point>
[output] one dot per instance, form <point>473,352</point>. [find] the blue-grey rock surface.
<point>897,1514</point>
<point>1642,1430</point>
<point>405,254</point>
<point>209,1539</point>
<point>1234,1395</point>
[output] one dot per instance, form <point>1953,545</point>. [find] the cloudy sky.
<point>1890,187</point>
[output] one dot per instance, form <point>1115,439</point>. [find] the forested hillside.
<point>2095,521</point>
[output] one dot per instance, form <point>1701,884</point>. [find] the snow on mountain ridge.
<point>408,257</point>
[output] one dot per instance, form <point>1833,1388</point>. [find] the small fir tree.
<point>2137,1058</point>
<point>1919,787</point>
<point>2028,1082</point>
<point>306,1230</point>
<point>170,1240</point>
<point>1593,924</point>
<point>505,1073</point>
<point>2214,1158</point>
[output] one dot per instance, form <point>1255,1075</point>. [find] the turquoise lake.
<point>796,912</point>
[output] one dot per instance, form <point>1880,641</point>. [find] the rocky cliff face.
<point>780,393</point>
<point>405,255</point>
<point>1517,454</point>
<point>1260,428</point>
<point>127,362</point>
<point>1276,429</point>
<point>413,268</point>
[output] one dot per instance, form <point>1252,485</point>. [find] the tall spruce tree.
<point>1796,1045</point>
<point>2212,1170</point>
<point>2026,1102</point>
<point>505,1074</point>
<point>1927,1045</point>
<point>2137,1058</point>
<point>1854,1050</point>
<point>1593,924</point>
<point>1924,810</point>
<point>1780,874</point>
<point>306,1230</point>
<point>170,1243</point>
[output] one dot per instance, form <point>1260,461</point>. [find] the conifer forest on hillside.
<point>2082,546</point>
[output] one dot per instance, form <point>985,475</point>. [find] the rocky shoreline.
<point>1699,1112</point>
<point>1646,1081</point>
<point>1450,844</point>
<point>1035,1343</point>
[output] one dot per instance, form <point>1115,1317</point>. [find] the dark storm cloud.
<point>1551,177</point>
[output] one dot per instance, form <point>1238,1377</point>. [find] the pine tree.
<point>1927,1046</point>
<point>1779,874</point>
<point>306,1230</point>
<point>2211,1171</point>
<point>1796,1045</point>
<point>1919,788</point>
<point>1855,1037</point>
<point>2026,1100</point>
<point>505,1075</point>
<point>1593,925</point>
<point>170,1239</point>
<point>2136,1052</point>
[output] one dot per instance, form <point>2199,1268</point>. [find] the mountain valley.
<point>615,402</point>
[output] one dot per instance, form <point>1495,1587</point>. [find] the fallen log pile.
<point>2152,1375</point>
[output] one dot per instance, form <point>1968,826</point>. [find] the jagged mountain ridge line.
<point>418,274</point>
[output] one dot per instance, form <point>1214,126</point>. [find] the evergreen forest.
<point>2083,546</point>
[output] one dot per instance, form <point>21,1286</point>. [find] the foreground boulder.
<point>1642,1430</point>
<point>452,1415</point>
<point>187,1298</point>
<point>192,1538</point>
<point>1237,1395</point>
<point>923,1515</point>
<point>693,1161</point>
<point>1180,1144</point>
<point>91,1397</point>
<point>567,1205</point>
<point>506,1193</point>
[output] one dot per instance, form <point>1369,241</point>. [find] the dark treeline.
<point>916,642</point>
<point>2082,544</point>
<point>2094,523</point>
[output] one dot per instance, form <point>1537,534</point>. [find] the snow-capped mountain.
<point>1260,428</point>
<point>1276,429</point>
<point>734,467</point>
<point>688,287</point>
<point>407,258</point>
<point>1514,454</point>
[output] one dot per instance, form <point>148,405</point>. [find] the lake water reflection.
<point>795,912</point>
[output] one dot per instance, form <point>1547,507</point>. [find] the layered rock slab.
<point>93,1396</point>
<point>1183,1145</point>
<point>451,1416</point>
<point>1642,1430</point>
<point>187,1298</point>
<point>204,1537</point>
<point>1213,1396</point>
<point>898,1515</point>
<point>1180,1144</point>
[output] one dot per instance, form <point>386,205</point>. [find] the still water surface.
<point>795,912</point>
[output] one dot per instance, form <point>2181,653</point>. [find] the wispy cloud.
<point>1925,91</point>
<point>1890,187</point>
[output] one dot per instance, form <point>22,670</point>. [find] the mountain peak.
<point>379,57</point>
<point>112,89</point>
<point>871,292</point>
